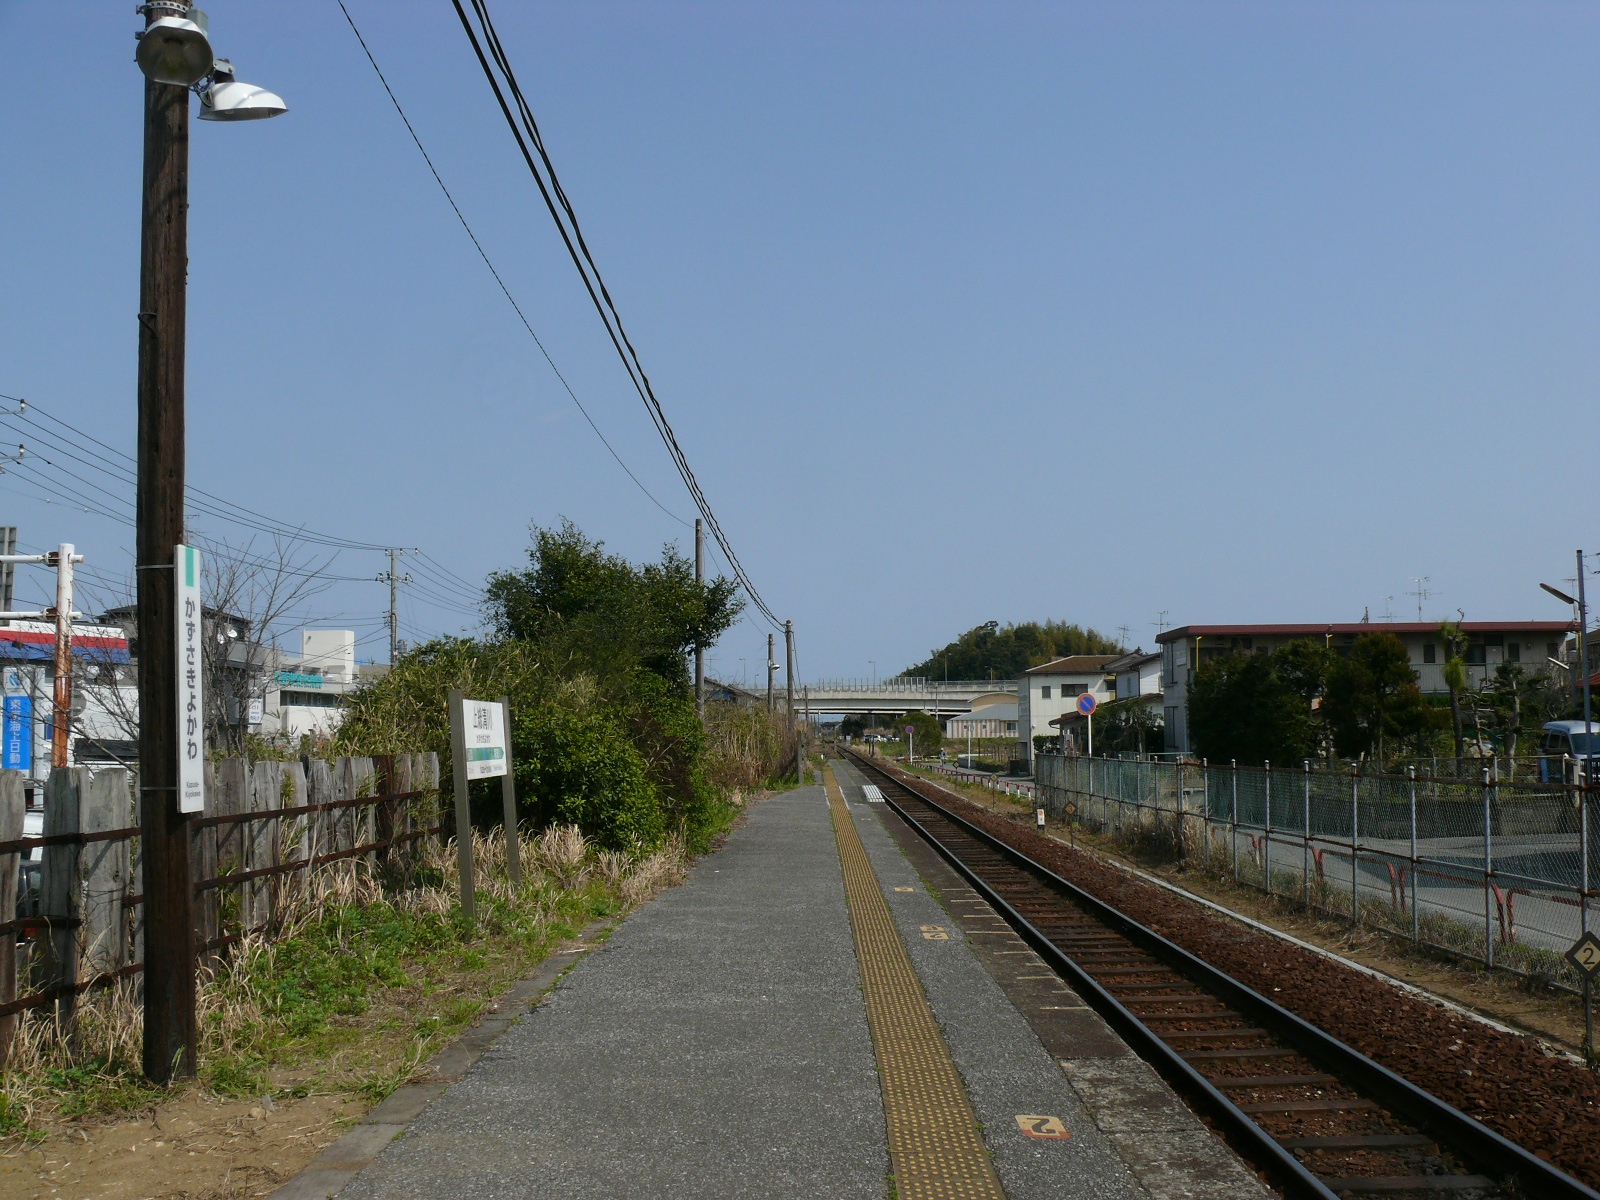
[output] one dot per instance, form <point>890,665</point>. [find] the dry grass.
<point>65,1067</point>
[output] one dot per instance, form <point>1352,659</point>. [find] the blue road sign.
<point>17,754</point>
<point>1086,704</point>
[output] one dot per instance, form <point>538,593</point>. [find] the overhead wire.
<point>450,591</point>
<point>530,142</point>
<point>483,254</point>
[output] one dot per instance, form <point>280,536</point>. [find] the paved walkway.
<point>718,1046</point>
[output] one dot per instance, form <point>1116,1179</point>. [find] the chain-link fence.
<point>1493,870</point>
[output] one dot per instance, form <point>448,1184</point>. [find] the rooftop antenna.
<point>1421,593</point>
<point>1124,631</point>
<point>1161,621</point>
<point>1388,608</point>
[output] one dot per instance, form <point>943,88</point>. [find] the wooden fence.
<point>264,823</point>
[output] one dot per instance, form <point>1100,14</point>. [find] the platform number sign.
<point>1043,1127</point>
<point>1585,955</point>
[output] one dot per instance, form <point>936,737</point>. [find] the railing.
<point>80,918</point>
<point>999,784</point>
<point>1488,869</point>
<point>912,684</point>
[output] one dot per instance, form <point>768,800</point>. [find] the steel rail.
<point>1463,1134</point>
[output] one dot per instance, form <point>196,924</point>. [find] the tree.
<point>1241,708</point>
<point>1129,724</point>
<point>928,737</point>
<point>990,651</point>
<point>599,613</point>
<point>1303,666</point>
<point>1373,695</point>
<point>252,594</point>
<point>1455,680</point>
<point>853,726</point>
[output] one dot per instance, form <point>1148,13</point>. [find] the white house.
<point>1137,674</point>
<point>991,721</point>
<point>1045,692</point>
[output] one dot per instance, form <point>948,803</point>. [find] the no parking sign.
<point>1086,705</point>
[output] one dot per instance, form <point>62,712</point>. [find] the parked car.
<point>1563,740</point>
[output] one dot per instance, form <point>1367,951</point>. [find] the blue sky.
<point>962,312</point>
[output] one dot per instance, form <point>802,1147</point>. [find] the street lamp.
<point>224,98</point>
<point>175,55</point>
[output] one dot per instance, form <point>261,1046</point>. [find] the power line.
<point>483,254</point>
<point>530,143</point>
<point>459,589</point>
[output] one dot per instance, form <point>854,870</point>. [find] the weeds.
<point>343,946</point>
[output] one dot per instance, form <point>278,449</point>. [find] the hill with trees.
<point>994,651</point>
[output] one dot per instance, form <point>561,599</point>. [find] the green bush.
<point>582,768</point>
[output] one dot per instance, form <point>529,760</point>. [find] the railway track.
<point>1316,1116</point>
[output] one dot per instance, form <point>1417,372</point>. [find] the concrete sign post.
<point>478,750</point>
<point>191,679</point>
<point>1087,705</point>
<point>508,798</point>
<point>911,744</point>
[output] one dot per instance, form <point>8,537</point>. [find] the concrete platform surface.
<point>717,1046</point>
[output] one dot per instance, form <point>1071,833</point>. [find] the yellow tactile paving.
<point>934,1141</point>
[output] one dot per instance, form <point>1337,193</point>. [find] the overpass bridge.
<point>944,697</point>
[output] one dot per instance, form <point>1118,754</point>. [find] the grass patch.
<point>358,987</point>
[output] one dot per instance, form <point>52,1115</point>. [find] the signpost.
<point>191,675</point>
<point>479,749</point>
<point>1585,956</point>
<point>911,744</point>
<point>1086,705</point>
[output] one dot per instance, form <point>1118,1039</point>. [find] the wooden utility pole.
<point>170,1035</point>
<point>699,649</point>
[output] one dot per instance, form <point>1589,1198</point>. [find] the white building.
<point>1047,691</point>
<point>995,720</point>
<point>305,695</point>
<point>1136,674</point>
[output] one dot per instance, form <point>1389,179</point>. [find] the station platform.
<point>821,1009</point>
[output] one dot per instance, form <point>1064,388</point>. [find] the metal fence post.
<point>1266,850</point>
<point>1416,928</point>
<point>1305,841</point>
<point>1488,870</point>
<point>1233,819</point>
<point>1355,842</point>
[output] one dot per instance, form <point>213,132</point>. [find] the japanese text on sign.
<point>191,702</point>
<point>484,726</point>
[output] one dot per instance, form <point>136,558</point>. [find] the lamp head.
<point>224,98</point>
<point>175,50</point>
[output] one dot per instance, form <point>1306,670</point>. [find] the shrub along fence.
<point>265,826</point>
<point>1492,870</point>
